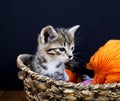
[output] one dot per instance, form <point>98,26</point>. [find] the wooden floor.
<point>12,96</point>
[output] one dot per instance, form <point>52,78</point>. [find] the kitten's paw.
<point>66,76</point>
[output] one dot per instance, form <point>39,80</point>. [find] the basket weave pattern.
<point>42,88</point>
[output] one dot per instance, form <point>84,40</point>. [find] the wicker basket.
<point>42,88</point>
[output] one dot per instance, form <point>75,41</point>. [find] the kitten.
<point>55,47</point>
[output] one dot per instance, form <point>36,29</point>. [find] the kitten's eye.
<point>62,49</point>
<point>72,48</point>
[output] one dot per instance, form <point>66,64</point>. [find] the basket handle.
<point>23,67</point>
<point>20,59</point>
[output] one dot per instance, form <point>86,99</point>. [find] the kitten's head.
<point>57,44</point>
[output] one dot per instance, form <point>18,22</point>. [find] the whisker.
<point>77,50</point>
<point>79,59</point>
<point>75,57</point>
<point>76,53</point>
<point>75,62</point>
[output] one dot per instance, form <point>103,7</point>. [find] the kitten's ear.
<point>73,29</point>
<point>48,34</point>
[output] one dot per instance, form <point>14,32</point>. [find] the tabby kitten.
<point>55,47</point>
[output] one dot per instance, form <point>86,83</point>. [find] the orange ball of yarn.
<point>106,63</point>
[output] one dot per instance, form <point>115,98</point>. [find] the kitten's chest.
<point>54,66</point>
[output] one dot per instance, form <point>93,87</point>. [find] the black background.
<point>22,20</point>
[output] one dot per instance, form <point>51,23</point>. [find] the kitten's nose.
<point>70,56</point>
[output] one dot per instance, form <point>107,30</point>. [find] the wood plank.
<point>13,96</point>
<point>1,92</point>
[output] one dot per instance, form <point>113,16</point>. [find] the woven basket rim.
<point>23,67</point>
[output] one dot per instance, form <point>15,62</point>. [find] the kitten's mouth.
<point>67,60</point>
